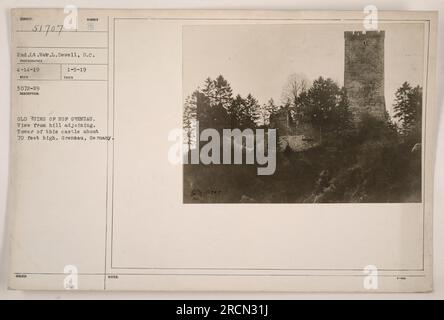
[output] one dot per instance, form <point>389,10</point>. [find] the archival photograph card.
<point>219,150</point>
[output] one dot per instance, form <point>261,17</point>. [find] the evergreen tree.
<point>189,119</point>
<point>325,105</point>
<point>218,92</point>
<point>223,94</point>
<point>235,111</point>
<point>249,113</point>
<point>341,116</point>
<point>267,111</point>
<point>408,109</point>
<point>215,100</point>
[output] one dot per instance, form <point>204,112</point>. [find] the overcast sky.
<point>258,59</point>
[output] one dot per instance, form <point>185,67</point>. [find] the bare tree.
<point>295,85</point>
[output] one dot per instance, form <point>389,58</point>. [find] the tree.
<point>340,117</point>
<point>216,108</point>
<point>209,90</point>
<point>234,111</point>
<point>218,92</point>
<point>189,118</point>
<point>295,85</point>
<point>408,109</point>
<point>203,110</point>
<point>223,92</point>
<point>325,105</point>
<point>249,113</point>
<point>267,111</point>
<point>213,102</point>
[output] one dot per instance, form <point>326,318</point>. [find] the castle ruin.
<point>363,81</point>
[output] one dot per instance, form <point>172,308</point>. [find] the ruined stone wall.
<point>296,143</point>
<point>281,122</point>
<point>293,135</point>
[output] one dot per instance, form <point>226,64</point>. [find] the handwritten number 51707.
<point>47,28</point>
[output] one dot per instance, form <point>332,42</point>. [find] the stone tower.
<point>364,72</point>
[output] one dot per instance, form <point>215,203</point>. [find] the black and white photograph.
<point>334,112</point>
<point>224,151</point>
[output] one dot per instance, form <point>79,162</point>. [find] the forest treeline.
<point>370,160</point>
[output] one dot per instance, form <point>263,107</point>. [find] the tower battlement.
<point>361,35</point>
<point>364,72</point>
